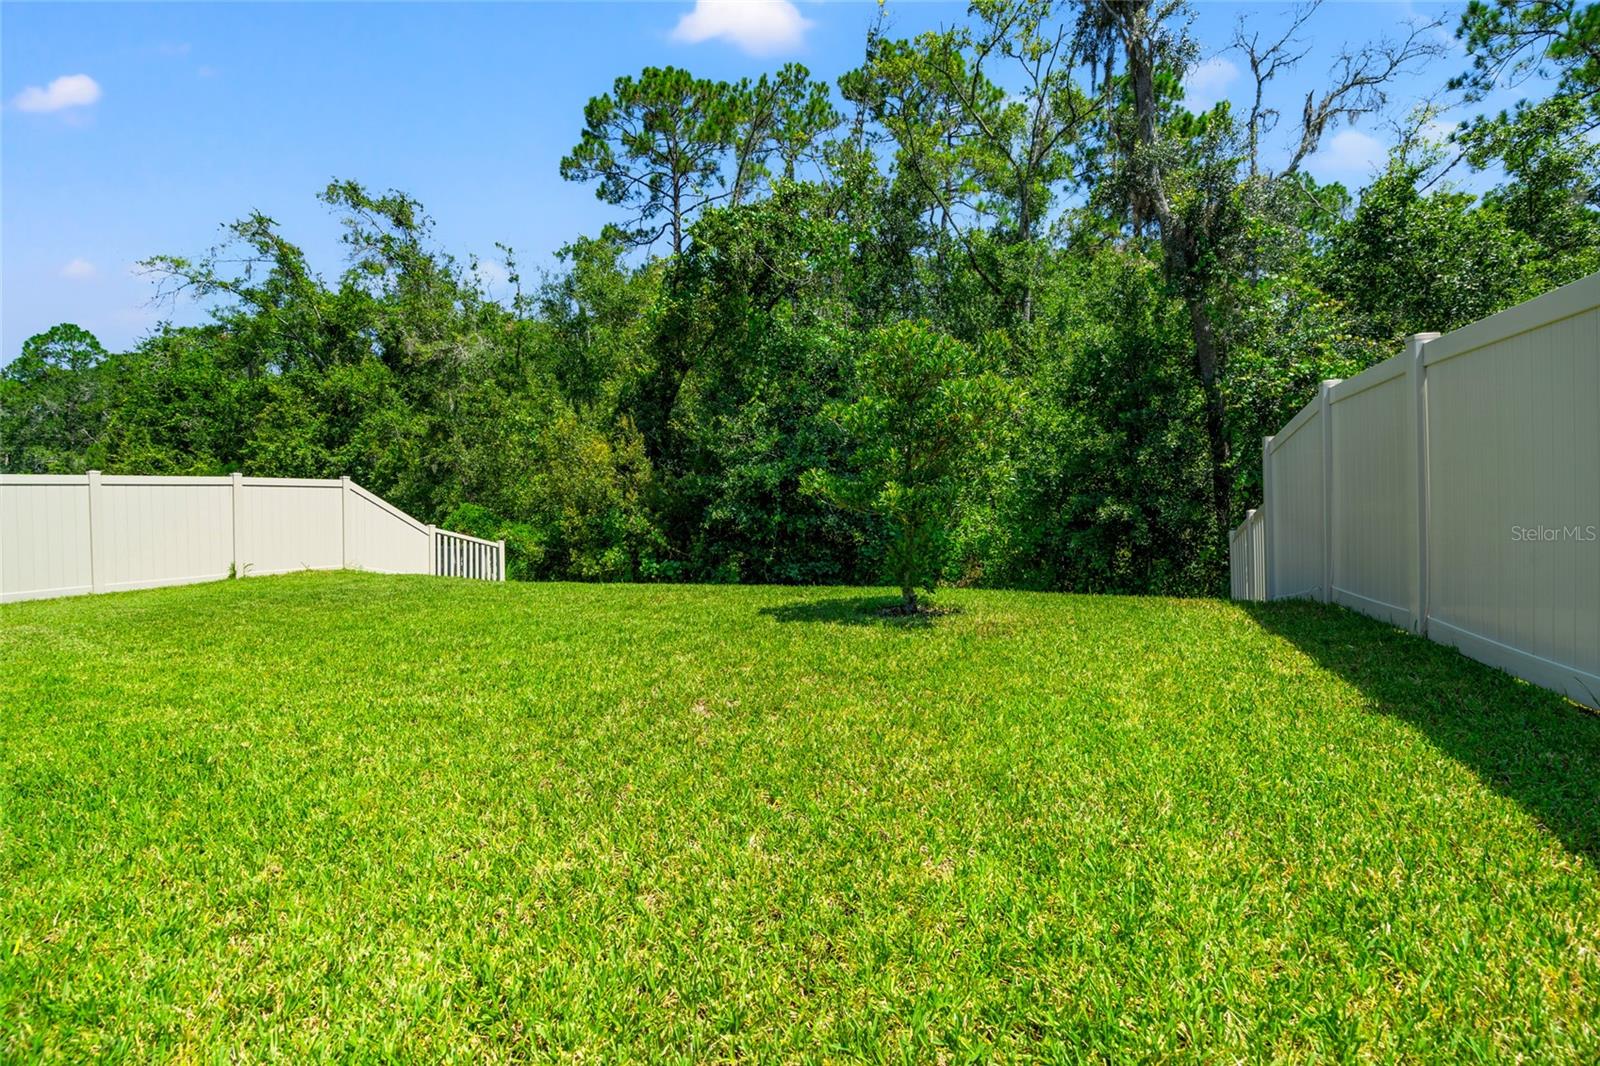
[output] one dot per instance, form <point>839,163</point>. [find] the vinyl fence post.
<point>1254,535</point>
<point>1248,553</point>
<point>1269,524</point>
<point>501,568</point>
<point>433,550</point>
<point>235,496</point>
<point>1417,373</point>
<point>98,560</point>
<point>344,522</point>
<point>1325,395</point>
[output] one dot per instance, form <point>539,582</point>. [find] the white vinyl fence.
<point>66,534</point>
<point>1247,556</point>
<point>1453,490</point>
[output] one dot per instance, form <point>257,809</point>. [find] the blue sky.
<point>132,129</point>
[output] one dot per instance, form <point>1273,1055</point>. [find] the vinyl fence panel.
<point>460,555</point>
<point>1295,505</point>
<point>382,537</point>
<point>1458,492</point>
<point>288,524</point>
<point>44,536</point>
<point>152,531</point>
<point>1374,492</point>
<point>1514,489</point>
<point>66,534</point>
<point>1247,557</point>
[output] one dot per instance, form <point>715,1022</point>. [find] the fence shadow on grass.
<point>1523,741</point>
<point>850,611</point>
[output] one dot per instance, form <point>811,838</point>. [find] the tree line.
<point>994,307</point>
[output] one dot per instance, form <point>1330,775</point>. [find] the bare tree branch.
<point>1267,61</point>
<point>1360,84</point>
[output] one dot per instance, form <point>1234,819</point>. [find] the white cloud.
<point>760,27</point>
<point>69,90</point>
<point>79,270</point>
<point>1207,84</point>
<point>492,274</point>
<point>1350,153</point>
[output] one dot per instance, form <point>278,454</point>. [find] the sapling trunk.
<point>908,595</point>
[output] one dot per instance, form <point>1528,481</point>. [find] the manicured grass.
<point>349,816</point>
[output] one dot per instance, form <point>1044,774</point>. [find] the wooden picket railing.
<point>460,555</point>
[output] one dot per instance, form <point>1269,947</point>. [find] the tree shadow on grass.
<point>854,611</point>
<point>1525,742</point>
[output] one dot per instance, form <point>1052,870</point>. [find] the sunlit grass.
<point>350,816</point>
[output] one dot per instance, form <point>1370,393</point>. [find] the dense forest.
<point>1146,291</point>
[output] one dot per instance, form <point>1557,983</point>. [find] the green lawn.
<point>349,816</point>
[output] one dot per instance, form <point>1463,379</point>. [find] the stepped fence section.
<point>61,535</point>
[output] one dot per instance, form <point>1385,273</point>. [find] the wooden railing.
<point>460,555</point>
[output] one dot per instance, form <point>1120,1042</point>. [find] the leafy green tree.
<point>925,413</point>
<point>1408,261</point>
<point>1190,179</point>
<point>783,121</point>
<point>181,405</point>
<point>1513,40</point>
<point>277,313</point>
<point>1551,187</point>
<point>597,318</point>
<point>1113,461</point>
<point>1546,146</point>
<point>52,403</point>
<point>774,281</point>
<point>588,500</point>
<point>656,145</point>
<point>985,120</point>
